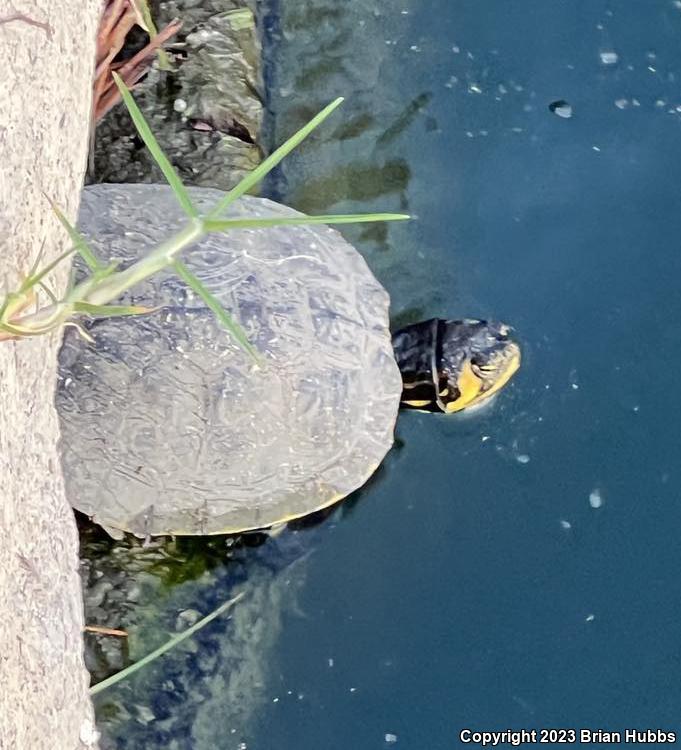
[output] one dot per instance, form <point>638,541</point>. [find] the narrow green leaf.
<point>48,292</point>
<point>123,674</point>
<point>224,225</point>
<point>110,311</point>
<point>152,144</point>
<point>185,274</point>
<point>254,177</point>
<point>76,237</point>
<point>36,262</point>
<point>32,280</point>
<point>145,20</point>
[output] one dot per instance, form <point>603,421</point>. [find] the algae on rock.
<point>206,113</point>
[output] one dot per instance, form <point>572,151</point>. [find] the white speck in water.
<point>243,746</point>
<point>595,498</point>
<point>470,55</point>
<point>502,89</point>
<point>636,408</point>
<point>599,26</point>
<point>527,108</point>
<point>595,148</point>
<point>565,524</point>
<point>517,130</point>
<point>609,57</point>
<point>353,690</point>
<point>404,12</point>
<point>415,48</point>
<point>485,438</point>
<point>300,696</point>
<point>575,386</point>
<point>561,108</point>
<point>469,133</point>
<point>483,132</point>
<point>275,700</point>
<point>590,618</point>
<point>390,738</point>
<point>473,88</point>
<point>677,4</point>
<point>456,49</point>
<point>451,82</point>
<point>330,662</point>
<point>621,103</point>
<point>522,458</point>
<point>636,102</point>
<point>651,69</point>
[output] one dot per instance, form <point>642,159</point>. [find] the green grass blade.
<point>273,159</point>
<point>224,225</point>
<point>76,237</point>
<point>141,8</point>
<point>110,311</point>
<point>185,274</point>
<point>123,674</point>
<point>37,278</point>
<point>152,144</point>
<point>48,292</point>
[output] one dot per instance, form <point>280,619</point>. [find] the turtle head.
<point>451,365</point>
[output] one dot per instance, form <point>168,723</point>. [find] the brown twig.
<point>118,19</point>
<point>107,94</point>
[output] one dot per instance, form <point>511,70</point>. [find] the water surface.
<point>475,585</point>
<point>518,567</point>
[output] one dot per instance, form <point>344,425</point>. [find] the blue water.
<point>515,568</point>
<point>474,584</point>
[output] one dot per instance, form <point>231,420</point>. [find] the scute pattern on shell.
<point>168,427</point>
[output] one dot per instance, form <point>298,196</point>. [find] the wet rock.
<point>206,113</point>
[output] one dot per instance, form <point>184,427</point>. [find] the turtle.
<point>169,427</point>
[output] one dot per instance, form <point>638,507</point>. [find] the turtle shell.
<point>168,427</point>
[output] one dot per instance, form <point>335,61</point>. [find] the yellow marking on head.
<point>418,404</point>
<point>444,392</point>
<point>469,385</point>
<point>467,381</point>
<point>512,365</point>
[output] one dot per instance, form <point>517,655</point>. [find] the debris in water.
<point>565,524</point>
<point>595,498</point>
<point>522,458</point>
<point>621,103</point>
<point>561,108</point>
<point>609,57</point>
<point>590,618</point>
<point>391,738</point>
